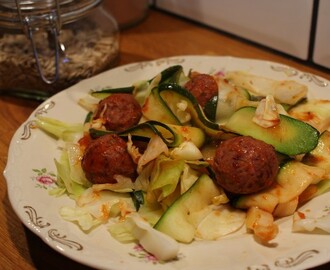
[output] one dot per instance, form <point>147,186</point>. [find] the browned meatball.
<point>203,87</point>
<point>119,111</point>
<point>106,157</point>
<point>245,165</point>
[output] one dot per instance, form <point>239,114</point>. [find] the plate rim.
<point>14,139</point>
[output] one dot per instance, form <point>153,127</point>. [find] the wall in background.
<point>286,26</point>
<point>321,52</point>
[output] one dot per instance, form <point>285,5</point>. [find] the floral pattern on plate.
<point>40,211</point>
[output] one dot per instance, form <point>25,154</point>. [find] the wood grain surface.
<point>159,35</point>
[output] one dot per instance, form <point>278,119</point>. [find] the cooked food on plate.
<point>188,156</point>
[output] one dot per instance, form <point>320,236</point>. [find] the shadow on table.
<point>44,257</point>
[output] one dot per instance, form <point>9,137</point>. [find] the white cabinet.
<point>321,53</point>
<point>282,25</point>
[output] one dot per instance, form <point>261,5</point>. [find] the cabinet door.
<point>282,25</point>
<point>321,53</point>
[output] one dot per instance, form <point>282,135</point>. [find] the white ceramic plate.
<point>30,173</point>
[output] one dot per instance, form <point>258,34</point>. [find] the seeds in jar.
<point>85,50</point>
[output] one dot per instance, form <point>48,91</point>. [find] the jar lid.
<point>11,12</point>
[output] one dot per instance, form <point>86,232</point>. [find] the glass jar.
<point>49,45</point>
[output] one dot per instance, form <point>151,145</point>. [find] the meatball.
<point>119,112</point>
<point>244,165</point>
<point>203,87</point>
<point>106,157</point>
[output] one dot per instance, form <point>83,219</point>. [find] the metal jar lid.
<point>31,16</point>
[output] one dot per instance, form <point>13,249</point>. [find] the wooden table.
<point>159,35</point>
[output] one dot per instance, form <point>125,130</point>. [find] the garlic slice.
<point>267,114</point>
